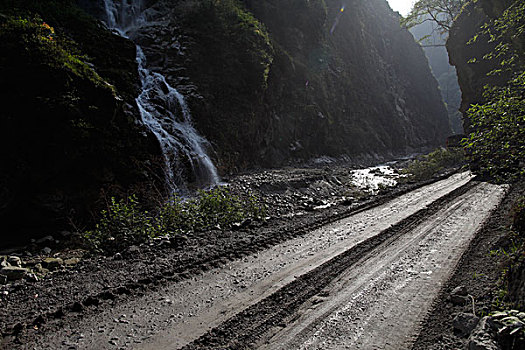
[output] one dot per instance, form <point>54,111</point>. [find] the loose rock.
<point>14,261</point>
<point>31,277</point>
<point>459,295</point>
<point>52,263</point>
<point>14,273</point>
<point>71,261</point>
<point>3,262</point>
<point>482,338</point>
<point>465,323</point>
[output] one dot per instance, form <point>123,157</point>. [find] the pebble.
<point>465,322</point>
<point>31,277</point>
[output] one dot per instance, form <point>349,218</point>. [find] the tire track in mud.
<point>250,325</point>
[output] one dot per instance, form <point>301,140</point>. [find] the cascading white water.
<point>162,108</point>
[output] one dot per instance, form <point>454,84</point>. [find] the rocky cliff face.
<point>273,81</point>
<point>468,58</point>
<point>69,137</point>
<point>267,82</point>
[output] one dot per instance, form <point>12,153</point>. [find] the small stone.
<point>46,251</point>
<point>459,295</point>
<point>521,316</point>
<point>465,322</point>
<point>460,290</point>
<point>52,263</point>
<point>3,262</point>
<point>133,250</point>
<point>14,273</point>
<point>31,277</point>
<point>47,240</point>
<point>14,261</point>
<point>512,321</point>
<point>71,261</point>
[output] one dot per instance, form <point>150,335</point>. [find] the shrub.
<point>124,223</point>
<point>121,225</point>
<point>431,164</point>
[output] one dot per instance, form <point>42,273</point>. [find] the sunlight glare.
<point>401,6</point>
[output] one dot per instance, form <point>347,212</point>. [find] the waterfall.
<point>162,108</point>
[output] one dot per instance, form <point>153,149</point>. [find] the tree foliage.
<point>497,146</point>
<point>441,12</point>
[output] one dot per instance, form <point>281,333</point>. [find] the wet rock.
<point>459,296</point>
<point>14,261</point>
<point>52,263</point>
<point>465,323</point>
<point>483,336</point>
<point>14,273</point>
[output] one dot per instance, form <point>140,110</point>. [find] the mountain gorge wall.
<point>272,81</point>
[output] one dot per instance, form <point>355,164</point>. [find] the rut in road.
<point>351,300</point>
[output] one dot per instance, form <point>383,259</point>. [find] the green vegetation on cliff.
<point>496,146</point>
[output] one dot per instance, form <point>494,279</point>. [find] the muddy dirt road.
<point>365,281</point>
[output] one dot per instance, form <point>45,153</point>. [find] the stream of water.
<point>162,108</point>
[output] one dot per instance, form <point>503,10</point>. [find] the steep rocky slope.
<point>271,81</point>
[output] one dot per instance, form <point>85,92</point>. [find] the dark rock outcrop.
<point>68,138</point>
<point>273,81</point>
<point>468,57</point>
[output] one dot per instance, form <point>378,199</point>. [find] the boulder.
<point>14,273</point>
<point>483,336</point>
<point>465,323</point>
